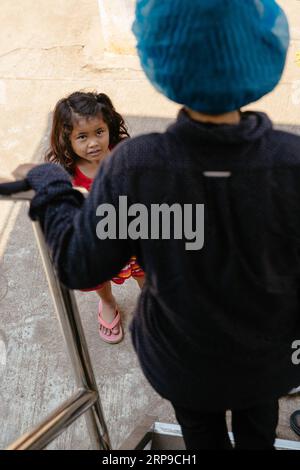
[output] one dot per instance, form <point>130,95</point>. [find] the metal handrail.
<point>72,330</point>
<point>56,422</point>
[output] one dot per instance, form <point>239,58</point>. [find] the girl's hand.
<point>21,171</point>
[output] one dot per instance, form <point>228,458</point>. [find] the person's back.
<point>230,309</point>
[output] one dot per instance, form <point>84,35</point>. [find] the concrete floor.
<point>45,53</point>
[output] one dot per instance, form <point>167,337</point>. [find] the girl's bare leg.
<point>108,307</point>
<point>140,281</point>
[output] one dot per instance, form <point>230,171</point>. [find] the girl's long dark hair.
<point>81,104</point>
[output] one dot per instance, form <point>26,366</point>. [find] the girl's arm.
<point>69,223</point>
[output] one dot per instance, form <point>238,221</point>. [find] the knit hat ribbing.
<point>213,56</point>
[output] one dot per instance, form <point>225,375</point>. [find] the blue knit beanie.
<point>213,56</point>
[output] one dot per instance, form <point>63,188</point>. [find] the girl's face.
<point>90,138</point>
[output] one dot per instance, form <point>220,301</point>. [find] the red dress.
<point>132,268</point>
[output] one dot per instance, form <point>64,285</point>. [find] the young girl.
<point>85,128</point>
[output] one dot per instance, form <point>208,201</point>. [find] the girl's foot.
<point>110,328</point>
<point>108,313</point>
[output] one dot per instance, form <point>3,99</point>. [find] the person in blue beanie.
<point>214,327</point>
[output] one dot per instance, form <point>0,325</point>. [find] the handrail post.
<point>72,330</point>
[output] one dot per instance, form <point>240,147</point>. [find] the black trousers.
<point>253,428</point>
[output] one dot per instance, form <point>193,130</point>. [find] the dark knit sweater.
<point>213,329</point>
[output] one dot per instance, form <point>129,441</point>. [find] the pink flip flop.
<point>112,338</point>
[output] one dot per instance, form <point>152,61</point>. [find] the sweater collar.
<point>253,126</point>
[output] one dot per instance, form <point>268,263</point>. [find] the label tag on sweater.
<point>217,174</point>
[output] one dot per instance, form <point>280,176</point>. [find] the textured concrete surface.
<point>116,19</point>
<point>49,49</point>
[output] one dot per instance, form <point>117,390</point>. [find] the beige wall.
<point>116,20</point>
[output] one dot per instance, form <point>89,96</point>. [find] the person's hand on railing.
<point>9,188</point>
<point>20,184</point>
<point>3,180</point>
<point>22,170</point>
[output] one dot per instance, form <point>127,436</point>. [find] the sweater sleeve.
<point>69,222</point>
